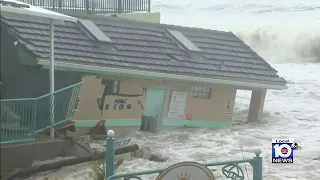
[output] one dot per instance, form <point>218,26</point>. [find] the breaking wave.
<point>283,46</point>
<point>279,31</point>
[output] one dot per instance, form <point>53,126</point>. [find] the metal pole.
<point>257,166</point>
<point>52,77</point>
<point>109,161</point>
<point>149,6</point>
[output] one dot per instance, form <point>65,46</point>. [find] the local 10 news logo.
<point>282,150</point>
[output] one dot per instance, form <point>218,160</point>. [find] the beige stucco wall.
<point>153,17</point>
<point>201,109</point>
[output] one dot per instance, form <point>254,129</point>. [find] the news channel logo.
<point>282,150</point>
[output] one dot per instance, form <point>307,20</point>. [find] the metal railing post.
<point>60,4</point>
<point>110,148</point>
<point>53,4</point>
<point>93,6</point>
<point>257,166</point>
<point>119,6</point>
<point>34,119</point>
<point>87,6</point>
<point>149,5</point>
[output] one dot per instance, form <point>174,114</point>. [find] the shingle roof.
<point>149,47</point>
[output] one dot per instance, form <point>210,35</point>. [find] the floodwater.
<point>287,34</point>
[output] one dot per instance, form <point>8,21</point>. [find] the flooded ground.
<point>287,34</point>
<point>292,113</point>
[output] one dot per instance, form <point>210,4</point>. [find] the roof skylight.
<point>94,30</point>
<point>183,40</point>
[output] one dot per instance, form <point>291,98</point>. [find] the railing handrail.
<point>255,162</point>
<point>154,171</point>
<point>93,6</point>
<point>43,96</point>
<point>24,117</point>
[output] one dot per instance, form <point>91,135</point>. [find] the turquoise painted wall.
<point>166,122</point>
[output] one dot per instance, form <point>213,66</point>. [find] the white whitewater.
<point>287,34</point>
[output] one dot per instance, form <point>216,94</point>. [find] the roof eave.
<point>43,16</point>
<point>155,75</point>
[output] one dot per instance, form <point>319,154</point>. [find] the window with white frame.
<point>203,92</point>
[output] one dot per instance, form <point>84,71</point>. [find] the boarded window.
<point>203,92</point>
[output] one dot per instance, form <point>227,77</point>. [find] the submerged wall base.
<point>166,122</point>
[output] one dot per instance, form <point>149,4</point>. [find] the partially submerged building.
<point>183,76</point>
<point>128,69</point>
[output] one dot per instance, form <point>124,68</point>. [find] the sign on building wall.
<point>177,104</point>
<point>227,112</point>
<point>116,107</point>
<point>121,104</point>
<point>94,106</point>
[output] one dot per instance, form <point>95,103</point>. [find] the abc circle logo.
<point>283,150</point>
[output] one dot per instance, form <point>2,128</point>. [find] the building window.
<point>202,92</point>
<point>110,86</point>
<point>116,86</point>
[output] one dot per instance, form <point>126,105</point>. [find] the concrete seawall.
<point>21,156</point>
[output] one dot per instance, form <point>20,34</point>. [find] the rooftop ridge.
<point>102,17</point>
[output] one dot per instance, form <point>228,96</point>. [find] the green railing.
<point>231,169</point>
<point>21,119</point>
